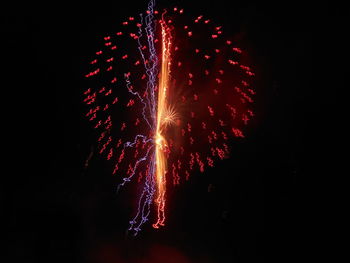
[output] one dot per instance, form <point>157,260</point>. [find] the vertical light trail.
<point>149,106</point>
<point>160,140</point>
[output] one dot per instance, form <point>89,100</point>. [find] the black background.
<point>55,211</point>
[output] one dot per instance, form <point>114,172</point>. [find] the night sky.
<point>252,207</point>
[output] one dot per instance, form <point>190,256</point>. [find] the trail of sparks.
<point>161,143</point>
<point>151,63</point>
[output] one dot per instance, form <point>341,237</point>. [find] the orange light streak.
<point>165,115</point>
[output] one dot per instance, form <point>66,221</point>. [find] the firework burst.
<point>166,93</point>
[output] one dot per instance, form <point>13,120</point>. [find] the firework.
<point>166,94</point>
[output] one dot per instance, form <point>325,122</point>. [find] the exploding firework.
<point>166,95</point>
